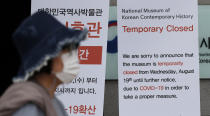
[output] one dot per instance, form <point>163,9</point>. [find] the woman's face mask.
<point>70,67</point>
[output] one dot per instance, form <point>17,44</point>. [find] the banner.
<point>111,57</point>
<point>158,62</point>
<point>85,95</point>
<point>204,40</point>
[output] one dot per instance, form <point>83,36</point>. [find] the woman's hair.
<point>70,46</point>
<point>48,68</point>
<point>45,69</point>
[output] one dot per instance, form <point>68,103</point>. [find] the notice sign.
<point>85,95</point>
<point>158,58</point>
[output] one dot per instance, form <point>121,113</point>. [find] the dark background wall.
<point>13,14</point>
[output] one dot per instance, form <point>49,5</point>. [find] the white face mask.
<point>70,67</point>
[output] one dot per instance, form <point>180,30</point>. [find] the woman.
<point>49,57</point>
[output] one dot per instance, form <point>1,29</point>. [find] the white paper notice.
<point>158,58</point>
<point>85,96</point>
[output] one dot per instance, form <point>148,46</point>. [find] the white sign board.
<point>85,96</point>
<point>158,62</point>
